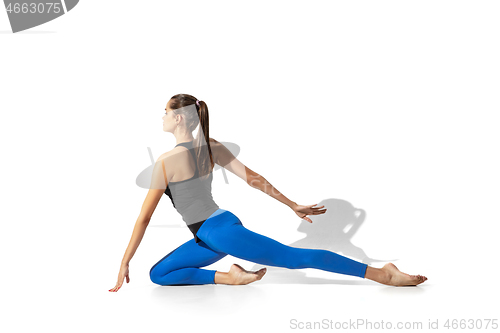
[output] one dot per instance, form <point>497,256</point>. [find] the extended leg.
<point>242,243</point>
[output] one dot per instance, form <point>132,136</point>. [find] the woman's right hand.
<point>121,276</point>
<point>302,211</point>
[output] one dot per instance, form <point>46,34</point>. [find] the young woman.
<point>185,175</point>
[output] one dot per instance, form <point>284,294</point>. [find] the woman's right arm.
<point>258,181</point>
<point>227,160</point>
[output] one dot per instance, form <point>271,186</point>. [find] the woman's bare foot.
<point>394,277</point>
<point>238,275</point>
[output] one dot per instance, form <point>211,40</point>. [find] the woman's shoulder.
<point>215,145</point>
<point>170,153</point>
<point>177,149</point>
<point>164,156</point>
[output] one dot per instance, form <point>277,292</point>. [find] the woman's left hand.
<point>303,211</point>
<point>121,276</point>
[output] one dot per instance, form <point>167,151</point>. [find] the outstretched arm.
<point>259,182</point>
<point>227,160</point>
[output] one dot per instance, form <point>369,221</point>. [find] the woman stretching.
<point>185,175</point>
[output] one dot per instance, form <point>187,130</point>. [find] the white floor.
<point>76,298</point>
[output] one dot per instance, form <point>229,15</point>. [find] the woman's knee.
<point>160,274</point>
<point>154,276</point>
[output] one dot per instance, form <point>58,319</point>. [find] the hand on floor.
<point>121,276</point>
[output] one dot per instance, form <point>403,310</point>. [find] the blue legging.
<point>222,234</point>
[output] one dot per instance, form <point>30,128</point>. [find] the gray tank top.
<point>192,197</point>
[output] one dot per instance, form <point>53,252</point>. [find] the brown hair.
<point>181,101</point>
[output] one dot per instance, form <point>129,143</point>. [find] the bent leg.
<point>242,243</point>
<point>181,266</point>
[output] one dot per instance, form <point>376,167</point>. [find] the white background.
<point>385,107</point>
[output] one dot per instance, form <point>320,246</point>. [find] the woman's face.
<point>168,120</point>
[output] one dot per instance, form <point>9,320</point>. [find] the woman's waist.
<point>197,213</point>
